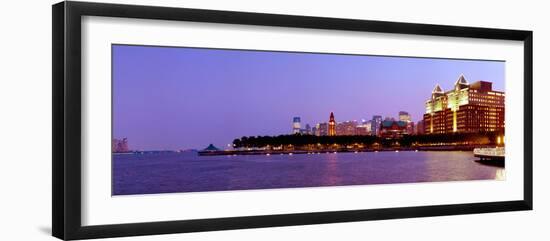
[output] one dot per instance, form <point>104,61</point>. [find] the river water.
<point>188,172</point>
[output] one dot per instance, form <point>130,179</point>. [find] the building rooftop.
<point>437,90</point>
<point>389,123</point>
<point>461,80</point>
<point>211,147</point>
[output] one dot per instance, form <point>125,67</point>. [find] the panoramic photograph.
<point>188,119</point>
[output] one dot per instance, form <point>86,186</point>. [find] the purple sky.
<point>167,98</point>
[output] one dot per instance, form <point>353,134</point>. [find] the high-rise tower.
<point>331,125</point>
<point>296,125</point>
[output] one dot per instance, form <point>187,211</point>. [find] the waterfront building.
<point>375,125</point>
<point>361,130</point>
<point>322,129</point>
<point>211,148</point>
<point>331,125</point>
<point>346,128</point>
<point>296,126</point>
<point>364,129</point>
<point>404,116</point>
<point>419,129</point>
<point>466,108</point>
<point>393,129</point>
<point>307,131</point>
<point>368,125</point>
<point>410,127</point>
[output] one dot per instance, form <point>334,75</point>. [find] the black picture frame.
<point>66,159</point>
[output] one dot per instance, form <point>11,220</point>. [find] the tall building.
<point>466,108</point>
<point>331,125</point>
<point>368,126</point>
<point>410,127</point>
<point>376,122</point>
<point>404,116</point>
<point>419,129</point>
<point>296,126</point>
<point>307,131</point>
<point>322,129</point>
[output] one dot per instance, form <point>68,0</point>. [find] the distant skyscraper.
<point>296,125</point>
<point>404,116</point>
<point>307,130</point>
<point>331,125</point>
<point>368,126</point>
<point>323,129</point>
<point>376,122</point>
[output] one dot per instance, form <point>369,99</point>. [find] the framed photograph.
<point>169,120</point>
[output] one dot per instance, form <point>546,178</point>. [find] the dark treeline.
<point>481,138</point>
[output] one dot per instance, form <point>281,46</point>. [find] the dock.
<point>490,154</point>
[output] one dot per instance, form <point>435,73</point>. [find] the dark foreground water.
<point>188,172</point>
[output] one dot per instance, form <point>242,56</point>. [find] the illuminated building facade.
<point>404,116</point>
<point>466,108</point>
<point>307,131</point>
<point>322,129</point>
<point>364,129</point>
<point>375,125</point>
<point>346,128</point>
<point>393,129</point>
<point>331,125</point>
<point>296,125</point>
<point>419,128</point>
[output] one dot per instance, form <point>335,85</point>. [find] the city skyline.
<point>186,98</point>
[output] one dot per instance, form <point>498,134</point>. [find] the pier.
<point>490,154</point>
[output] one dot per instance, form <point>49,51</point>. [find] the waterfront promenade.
<point>344,150</point>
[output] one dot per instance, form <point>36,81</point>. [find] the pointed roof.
<point>461,81</point>
<point>211,147</point>
<point>437,90</point>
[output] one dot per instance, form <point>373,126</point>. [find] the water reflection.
<point>330,177</point>
<point>500,174</point>
<point>188,172</point>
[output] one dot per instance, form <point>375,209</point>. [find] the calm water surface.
<point>188,172</point>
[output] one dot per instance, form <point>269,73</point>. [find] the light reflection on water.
<point>500,174</point>
<point>188,172</point>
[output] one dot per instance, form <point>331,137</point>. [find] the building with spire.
<point>331,125</point>
<point>465,108</point>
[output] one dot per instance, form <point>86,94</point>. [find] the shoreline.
<point>292,152</point>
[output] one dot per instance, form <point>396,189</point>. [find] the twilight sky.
<point>167,98</point>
